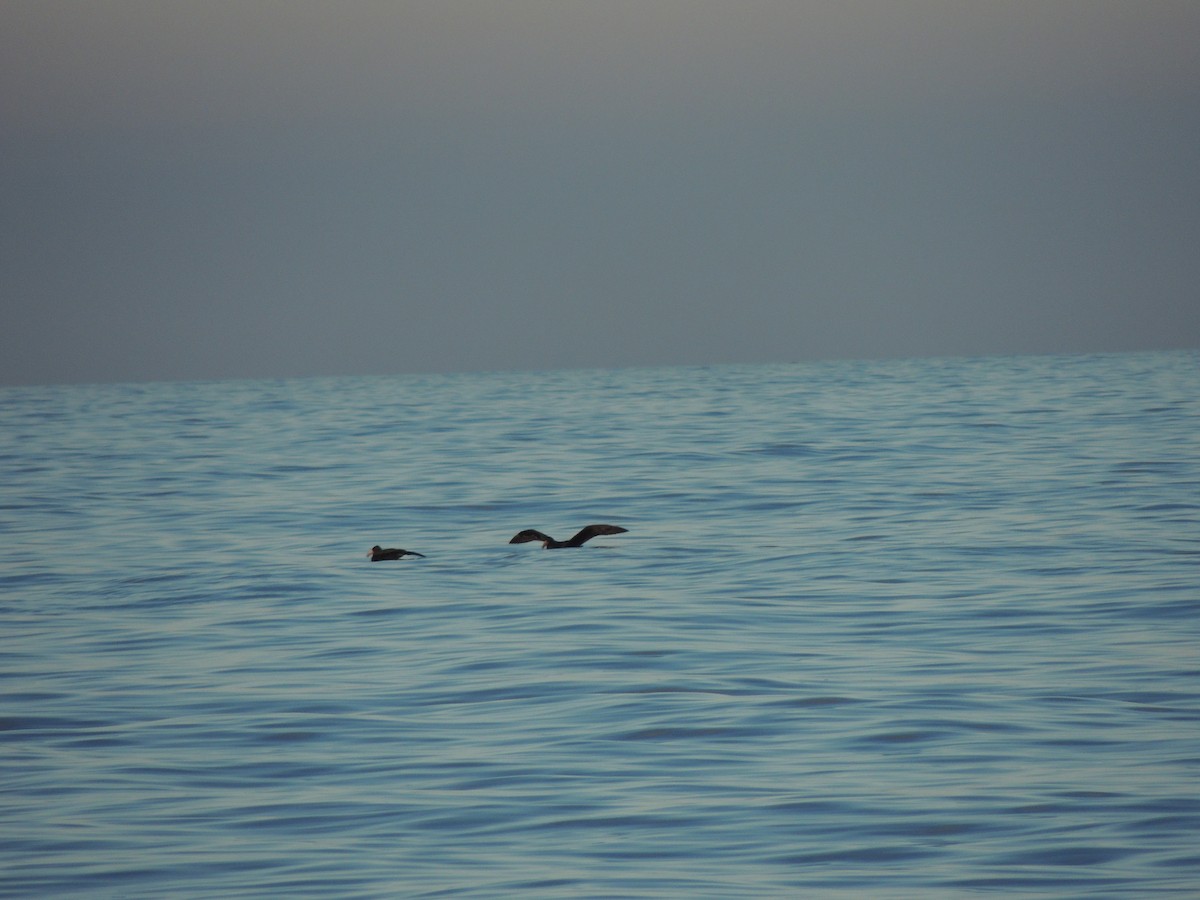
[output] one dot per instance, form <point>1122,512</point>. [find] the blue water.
<point>906,628</point>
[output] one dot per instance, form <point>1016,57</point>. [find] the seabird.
<point>584,535</point>
<point>377,553</point>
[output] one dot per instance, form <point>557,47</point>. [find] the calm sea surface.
<point>895,629</point>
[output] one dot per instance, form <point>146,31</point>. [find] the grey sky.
<point>274,188</point>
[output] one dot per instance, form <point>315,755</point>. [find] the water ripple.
<point>898,628</point>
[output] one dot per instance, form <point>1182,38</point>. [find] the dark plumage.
<point>584,535</point>
<point>377,553</point>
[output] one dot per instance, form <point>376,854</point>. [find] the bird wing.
<point>590,531</point>
<point>529,534</point>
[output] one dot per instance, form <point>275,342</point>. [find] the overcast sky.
<point>245,188</point>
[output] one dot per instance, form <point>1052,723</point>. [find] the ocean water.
<point>925,628</point>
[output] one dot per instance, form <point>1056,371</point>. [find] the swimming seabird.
<point>377,553</point>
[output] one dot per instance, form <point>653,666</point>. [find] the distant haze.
<point>245,188</point>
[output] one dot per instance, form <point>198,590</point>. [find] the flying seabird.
<point>584,535</point>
